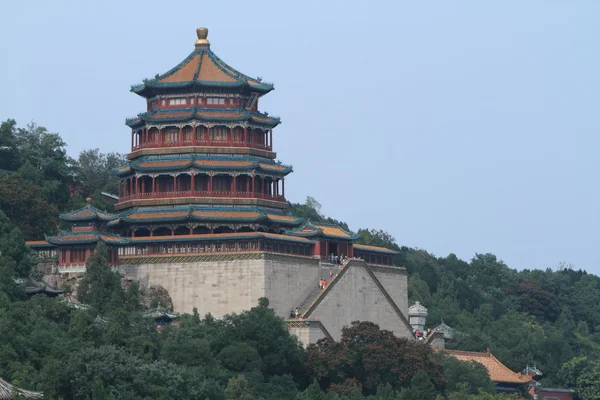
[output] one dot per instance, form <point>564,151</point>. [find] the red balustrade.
<point>201,193</point>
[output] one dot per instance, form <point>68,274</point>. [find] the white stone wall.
<point>308,335</point>
<point>231,286</point>
<point>397,287</point>
<point>224,287</point>
<point>287,284</point>
<point>356,297</point>
<point>219,287</point>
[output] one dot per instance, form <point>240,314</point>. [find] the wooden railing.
<point>206,143</point>
<point>201,193</point>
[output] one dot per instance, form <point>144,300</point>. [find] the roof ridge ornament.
<point>202,42</point>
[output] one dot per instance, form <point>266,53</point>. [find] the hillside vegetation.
<point>550,318</point>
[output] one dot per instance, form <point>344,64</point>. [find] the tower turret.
<point>417,317</point>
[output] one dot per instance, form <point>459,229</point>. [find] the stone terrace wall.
<point>225,286</point>
<point>356,297</point>
<point>289,281</point>
<point>395,282</point>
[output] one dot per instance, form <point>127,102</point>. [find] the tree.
<point>538,302</point>
<point>26,207</point>
<point>381,238</point>
<point>101,287</point>
<point>95,171</point>
<point>469,376</point>
<point>238,388</point>
<point>9,151</point>
<point>45,153</point>
<point>583,375</point>
<point>371,356</point>
<point>16,261</point>
<point>421,388</point>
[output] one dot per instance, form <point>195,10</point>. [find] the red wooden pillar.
<point>245,134</point>
<point>283,187</point>
<point>132,133</point>
<point>263,186</point>
<point>192,184</point>
<point>195,135</point>
<point>271,139</point>
<point>191,230</point>
<point>180,137</point>
<point>172,232</point>
<point>247,184</point>
<point>175,183</point>
<point>230,141</point>
<point>143,186</point>
<point>317,249</point>
<point>153,186</point>
<point>253,182</point>
<point>233,185</point>
<point>160,137</point>
<point>208,138</point>
<point>119,189</point>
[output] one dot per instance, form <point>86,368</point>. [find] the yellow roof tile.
<point>185,73</point>
<point>498,371</point>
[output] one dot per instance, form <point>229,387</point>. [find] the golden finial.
<point>202,34</point>
<point>88,201</point>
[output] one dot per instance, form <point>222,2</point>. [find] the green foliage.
<point>421,388</point>
<point>25,206</point>
<point>470,378</point>
<point>371,357</point>
<point>95,171</point>
<point>311,210</point>
<point>101,287</point>
<point>9,149</point>
<point>16,261</point>
<point>583,375</point>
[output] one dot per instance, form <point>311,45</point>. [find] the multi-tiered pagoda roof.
<point>201,177</point>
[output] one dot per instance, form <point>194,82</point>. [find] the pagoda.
<point>202,212</point>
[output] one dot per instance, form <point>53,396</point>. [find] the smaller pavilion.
<point>88,227</point>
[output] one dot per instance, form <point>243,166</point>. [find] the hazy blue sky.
<point>464,126</point>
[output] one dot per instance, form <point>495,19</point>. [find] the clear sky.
<point>463,126</point>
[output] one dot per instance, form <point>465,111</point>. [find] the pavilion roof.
<point>203,163</point>
<point>314,229</point>
<point>498,372</point>
<point>86,238</point>
<point>199,213</point>
<point>201,114</point>
<point>219,236</point>
<point>38,244</point>
<point>7,391</point>
<point>201,69</point>
<point>161,313</point>
<point>375,249</point>
<point>87,213</point>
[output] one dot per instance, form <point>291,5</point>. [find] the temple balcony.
<point>201,193</point>
<point>202,143</point>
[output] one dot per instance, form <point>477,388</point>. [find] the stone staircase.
<point>312,299</point>
<point>315,292</point>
